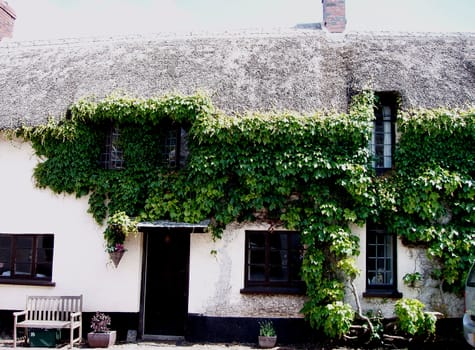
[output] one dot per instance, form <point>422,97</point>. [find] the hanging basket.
<point>116,256</point>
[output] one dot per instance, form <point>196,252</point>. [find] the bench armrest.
<point>76,315</point>
<point>18,314</point>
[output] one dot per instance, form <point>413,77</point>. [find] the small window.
<point>273,262</point>
<point>26,259</point>
<point>112,156</point>
<point>381,274</point>
<point>383,137</point>
<point>175,148</point>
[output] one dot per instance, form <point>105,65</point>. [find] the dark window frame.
<point>112,155</point>
<point>385,101</point>
<point>175,146</point>
<point>380,287</point>
<point>293,284</point>
<point>9,272</point>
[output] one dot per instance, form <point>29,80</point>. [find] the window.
<point>26,259</point>
<point>112,156</point>
<point>381,274</point>
<point>383,138</point>
<point>175,148</point>
<point>273,261</point>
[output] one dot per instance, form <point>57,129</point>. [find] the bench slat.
<point>44,324</point>
<point>51,312</point>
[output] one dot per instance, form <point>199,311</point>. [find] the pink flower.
<point>119,247</point>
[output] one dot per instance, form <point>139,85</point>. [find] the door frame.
<point>146,235</point>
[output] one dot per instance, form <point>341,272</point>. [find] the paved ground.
<point>173,346</point>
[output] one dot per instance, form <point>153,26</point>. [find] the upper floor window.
<point>175,149</point>
<point>384,135</point>
<point>381,273</point>
<point>26,258</point>
<point>112,156</point>
<point>273,262</point>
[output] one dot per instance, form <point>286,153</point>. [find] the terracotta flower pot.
<point>267,342</point>
<point>101,340</point>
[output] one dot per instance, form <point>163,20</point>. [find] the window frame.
<point>384,99</point>
<point>290,286</point>
<point>179,134</point>
<point>112,155</point>
<point>32,278</point>
<point>387,290</point>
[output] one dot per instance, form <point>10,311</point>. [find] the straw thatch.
<point>292,70</point>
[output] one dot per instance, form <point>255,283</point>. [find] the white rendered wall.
<point>409,260</point>
<point>80,265</point>
<point>216,279</point>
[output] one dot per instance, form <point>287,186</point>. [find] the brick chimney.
<point>7,20</point>
<point>334,18</point>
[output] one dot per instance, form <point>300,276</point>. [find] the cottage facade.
<point>194,287</point>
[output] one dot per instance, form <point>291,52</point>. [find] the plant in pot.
<point>101,336</point>
<point>267,334</point>
<point>119,227</point>
<point>413,279</point>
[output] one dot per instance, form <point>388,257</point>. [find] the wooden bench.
<point>50,312</point>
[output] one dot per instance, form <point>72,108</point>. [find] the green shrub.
<point>412,319</point>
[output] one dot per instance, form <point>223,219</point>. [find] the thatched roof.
<point>292,70</point>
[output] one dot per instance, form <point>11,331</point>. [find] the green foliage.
<point>429,198</point>
<point>411,278</point>
<point>266,329</point>
<point>119,227</point>
<point>412,319</point>
<point>308,172</point>
<point>335,319</point>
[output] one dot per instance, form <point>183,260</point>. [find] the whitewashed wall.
<point>216,279</point>
<point>80,265</point>
<point>409,260</point>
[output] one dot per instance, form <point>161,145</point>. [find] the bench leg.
<point>15,335</point>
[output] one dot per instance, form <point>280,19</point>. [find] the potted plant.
<point>119,227</point>
<point>101,336</point>
<point>267,334</point>
<point>413,279</point>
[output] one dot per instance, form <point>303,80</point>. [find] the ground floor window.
<point>381,274</point>
<point>273,262</point>
<point>26,258</point>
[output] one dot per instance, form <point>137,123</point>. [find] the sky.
<point>52,19</point>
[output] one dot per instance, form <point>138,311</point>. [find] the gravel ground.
<point>447,344</point>
<point>175,346</point>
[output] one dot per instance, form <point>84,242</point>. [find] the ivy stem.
<point>354,290</point>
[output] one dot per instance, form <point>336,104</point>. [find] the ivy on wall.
<point>429,199</point>
<point>307,172</point>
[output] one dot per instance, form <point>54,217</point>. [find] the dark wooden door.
<point>165,305</point>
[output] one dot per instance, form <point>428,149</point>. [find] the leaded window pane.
<point>112,156</point>
<point>175,149</point>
